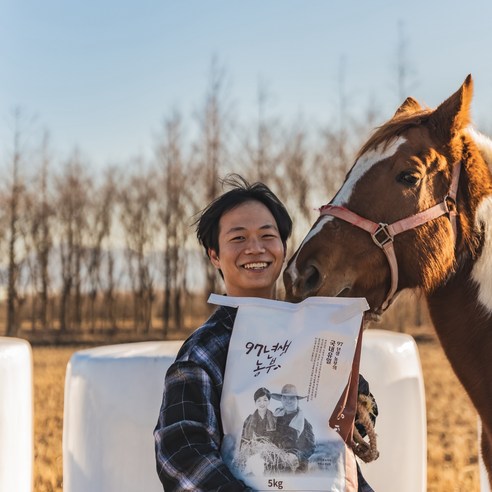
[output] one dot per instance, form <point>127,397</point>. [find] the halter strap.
<point>383,234</point>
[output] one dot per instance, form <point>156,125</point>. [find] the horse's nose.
<point>303,283</point>
<point>310,280</point>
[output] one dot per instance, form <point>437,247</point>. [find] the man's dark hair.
<point>207,229</point>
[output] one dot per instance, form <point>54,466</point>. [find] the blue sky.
<point>102,75</point>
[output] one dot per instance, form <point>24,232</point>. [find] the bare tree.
<point>38,235</point>
<point>138,219</point>
<point>262,143</point>
<point>14,196</point>
<point>264,154</point>
<point>173,212</point>
<point>291,179</point>
<point>100,215</point>
<point>214,119</point>
<point>109,284</point>
<point>73,191</point>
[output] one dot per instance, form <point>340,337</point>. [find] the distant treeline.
<point>84,251</point>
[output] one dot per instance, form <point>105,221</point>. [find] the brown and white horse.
<point>415,210</point>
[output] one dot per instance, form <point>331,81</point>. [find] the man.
<point>244,233</point>
<point>294,433</point>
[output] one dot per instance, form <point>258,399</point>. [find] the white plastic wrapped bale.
<point>16,416</point>
<point>113,395</point>
<point>391,364</point>
<point>112,399</point>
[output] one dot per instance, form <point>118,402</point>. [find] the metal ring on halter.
<point>383,228</point>
<point>450,203</point>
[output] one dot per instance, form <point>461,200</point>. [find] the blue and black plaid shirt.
<point>189,432</point>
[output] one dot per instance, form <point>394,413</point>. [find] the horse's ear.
<point>410,105</point>
<point>454,113</point>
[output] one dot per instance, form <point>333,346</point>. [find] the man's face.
<point>289,403</point>
<point>251,253</point>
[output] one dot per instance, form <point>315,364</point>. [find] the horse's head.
<point>403,170</point>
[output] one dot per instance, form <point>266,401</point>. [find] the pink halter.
<point>383,234</point>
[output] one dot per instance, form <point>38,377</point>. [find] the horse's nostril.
<point>312,279</point>
<point>302,283</point>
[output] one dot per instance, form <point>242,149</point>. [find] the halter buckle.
<point>382,230</point>
<point>450,203</point>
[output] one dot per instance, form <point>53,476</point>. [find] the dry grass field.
<point>452,442</point>
<point>452,435</point>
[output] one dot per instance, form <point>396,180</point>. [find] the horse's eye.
<point>408,178</point>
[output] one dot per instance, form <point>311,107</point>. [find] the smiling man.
<point>244,232</point>
<point>250,251</point>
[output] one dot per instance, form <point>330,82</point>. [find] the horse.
<point>415,211</point>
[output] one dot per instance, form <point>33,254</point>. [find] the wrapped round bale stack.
<point>16,415</point>
<point>112,399</point>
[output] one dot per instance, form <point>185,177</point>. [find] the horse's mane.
<point>483,143</point>
<point>389,131</point>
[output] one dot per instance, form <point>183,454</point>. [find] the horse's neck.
<point>461,311</point>
<point>458,317</point>
<point>465,333</point>
<point>467,295</point>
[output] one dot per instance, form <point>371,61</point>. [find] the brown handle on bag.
<point>343,417</point>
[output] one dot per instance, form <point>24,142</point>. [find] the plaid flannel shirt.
<point>189,432</point>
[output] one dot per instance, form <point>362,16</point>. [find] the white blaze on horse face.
<point>482,269</point>
<point>363,164</point>
<point>292,268</point>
